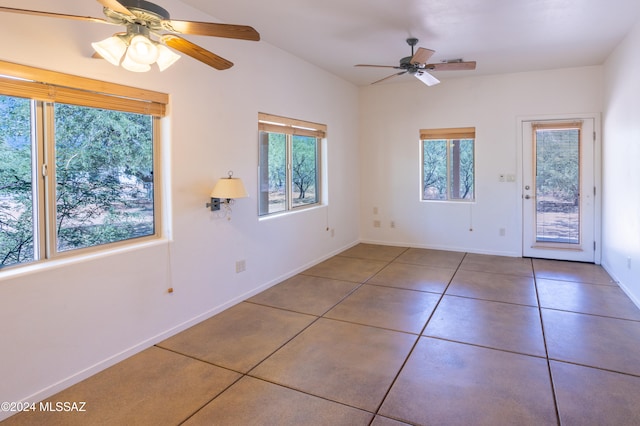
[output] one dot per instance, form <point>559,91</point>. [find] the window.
<point>448,164</point>
<point>77,167</point>
<point>289,161</point>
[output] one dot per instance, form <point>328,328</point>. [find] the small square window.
<point>448,164</point>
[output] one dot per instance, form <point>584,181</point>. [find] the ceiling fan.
<point>416,65</point>
<point>143,18</point>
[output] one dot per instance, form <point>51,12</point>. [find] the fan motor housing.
<point>144,13</point>
<point>146,6</point>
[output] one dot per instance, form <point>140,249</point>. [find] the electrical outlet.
<point>392,224</point>
<point>502,232</point>
<point>241,266</point>
<point>375,210</point>
<point>376,224</point>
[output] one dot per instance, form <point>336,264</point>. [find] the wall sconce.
<point>225,191</point>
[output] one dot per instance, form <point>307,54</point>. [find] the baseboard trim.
<point>446,248</point>
<point>621,284</point>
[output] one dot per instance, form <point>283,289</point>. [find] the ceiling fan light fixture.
<point>111,49</point>
<point>143,18</point>
<point>166,57</point>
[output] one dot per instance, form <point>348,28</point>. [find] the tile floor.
<point>384,335</point>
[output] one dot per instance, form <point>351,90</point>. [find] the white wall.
<point>391,116</point>
<point>621,170</point>
<point>63,321</point>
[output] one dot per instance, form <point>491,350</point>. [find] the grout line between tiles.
<point>395,379</point>
<point>546,349</point>
<point>589,314</point>
<point>483,346</point>
<point>211,400</point>
<point>305,328</point>
<point>593,367</point>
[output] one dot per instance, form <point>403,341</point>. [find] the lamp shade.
<point>229,188</point>
<point>142,50</point>
<point>131,65</point>
<point>166,57</point>
<point>111,49</point>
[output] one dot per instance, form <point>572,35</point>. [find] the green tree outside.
<point>103,178</point>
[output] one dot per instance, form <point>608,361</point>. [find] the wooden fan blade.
<point>376,66</point>
<point>391,76</point>
<point>196,52</point>
<point>53,15</point>
<point>422,56</point>
<point>115,6</point>
<point>452,66</point>
<point>241,32</point>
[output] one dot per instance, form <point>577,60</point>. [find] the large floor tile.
<point>374,251</point>
<point>305,294</point>
<point>240,337</point>
<point>347,363</point>
<point>448,383</point>
<point>153,387</point>
<point>496,325</point>
<point>429,257</point>
<point>413,277</point>
<point>571,271</point>
<point>588,396</point>
<point>497,264</point>
<point>346,268</point>
<point>594,299</point>
<point>496,287</point>
<point>608,343</point>
<point>386,307</point>
<point>255,402</point>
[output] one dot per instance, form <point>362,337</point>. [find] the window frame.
<point>449,135</point>
<point>45,89</point>
<point>289,127</point>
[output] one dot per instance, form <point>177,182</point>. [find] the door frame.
<point>597,173</point>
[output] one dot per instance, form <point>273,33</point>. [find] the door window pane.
<point>104,176</point>
<point>16,182</point>
<point>558,185</point>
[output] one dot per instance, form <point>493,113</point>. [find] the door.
<point>558,194</point>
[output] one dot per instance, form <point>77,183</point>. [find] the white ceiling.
<point>501,35</point>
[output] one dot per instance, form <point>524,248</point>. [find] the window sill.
<point>291,212</point>
<point>48,264</point>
